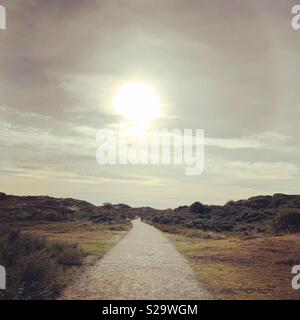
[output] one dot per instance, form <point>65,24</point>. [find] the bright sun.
<point>138,102</point>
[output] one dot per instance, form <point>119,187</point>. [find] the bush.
<point>67,254</point>
<point>260,202</point>
<point>197,207</point>
<point>288,220</point>
<point>35,268</point>
<point>107,205</point>
<point>188,224</point>
<point>247,216</point>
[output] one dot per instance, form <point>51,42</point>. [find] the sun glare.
<point>137,102</point>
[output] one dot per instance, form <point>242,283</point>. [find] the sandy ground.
<point>143,265</point>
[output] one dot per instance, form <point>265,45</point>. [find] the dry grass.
<point>189,232</point>
<point>56,262</point>
<point>236,268</point>
<point>94,239</point>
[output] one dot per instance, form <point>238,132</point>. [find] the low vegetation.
<point>288,220</point>
<point>42,259</point>
<point>35,268</point>
<point>46,242</point>
<point>34,210</point>
<point>95,239</point>
<point>257,215</point>
<point>234,267</point>
<point>242,250</point>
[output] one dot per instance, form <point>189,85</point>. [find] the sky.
<point>229,67</point>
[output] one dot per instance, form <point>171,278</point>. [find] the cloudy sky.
<point>229,67</point>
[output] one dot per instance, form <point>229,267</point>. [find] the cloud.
<point>228,68</point>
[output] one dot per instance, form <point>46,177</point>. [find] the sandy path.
<point>143,265</point>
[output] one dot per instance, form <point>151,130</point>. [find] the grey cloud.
<point>230,68</point>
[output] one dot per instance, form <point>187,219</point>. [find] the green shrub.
<point>35,268</point>
<point>66,254</point>
<point>288,220</point>
<point>197,207</point>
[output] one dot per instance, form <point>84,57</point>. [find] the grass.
<point>232,267</point>
<point>94,239</point>
<point>42,259</point>
<point>35,267</point>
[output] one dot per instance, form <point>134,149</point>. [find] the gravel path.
<point>143,265</point>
